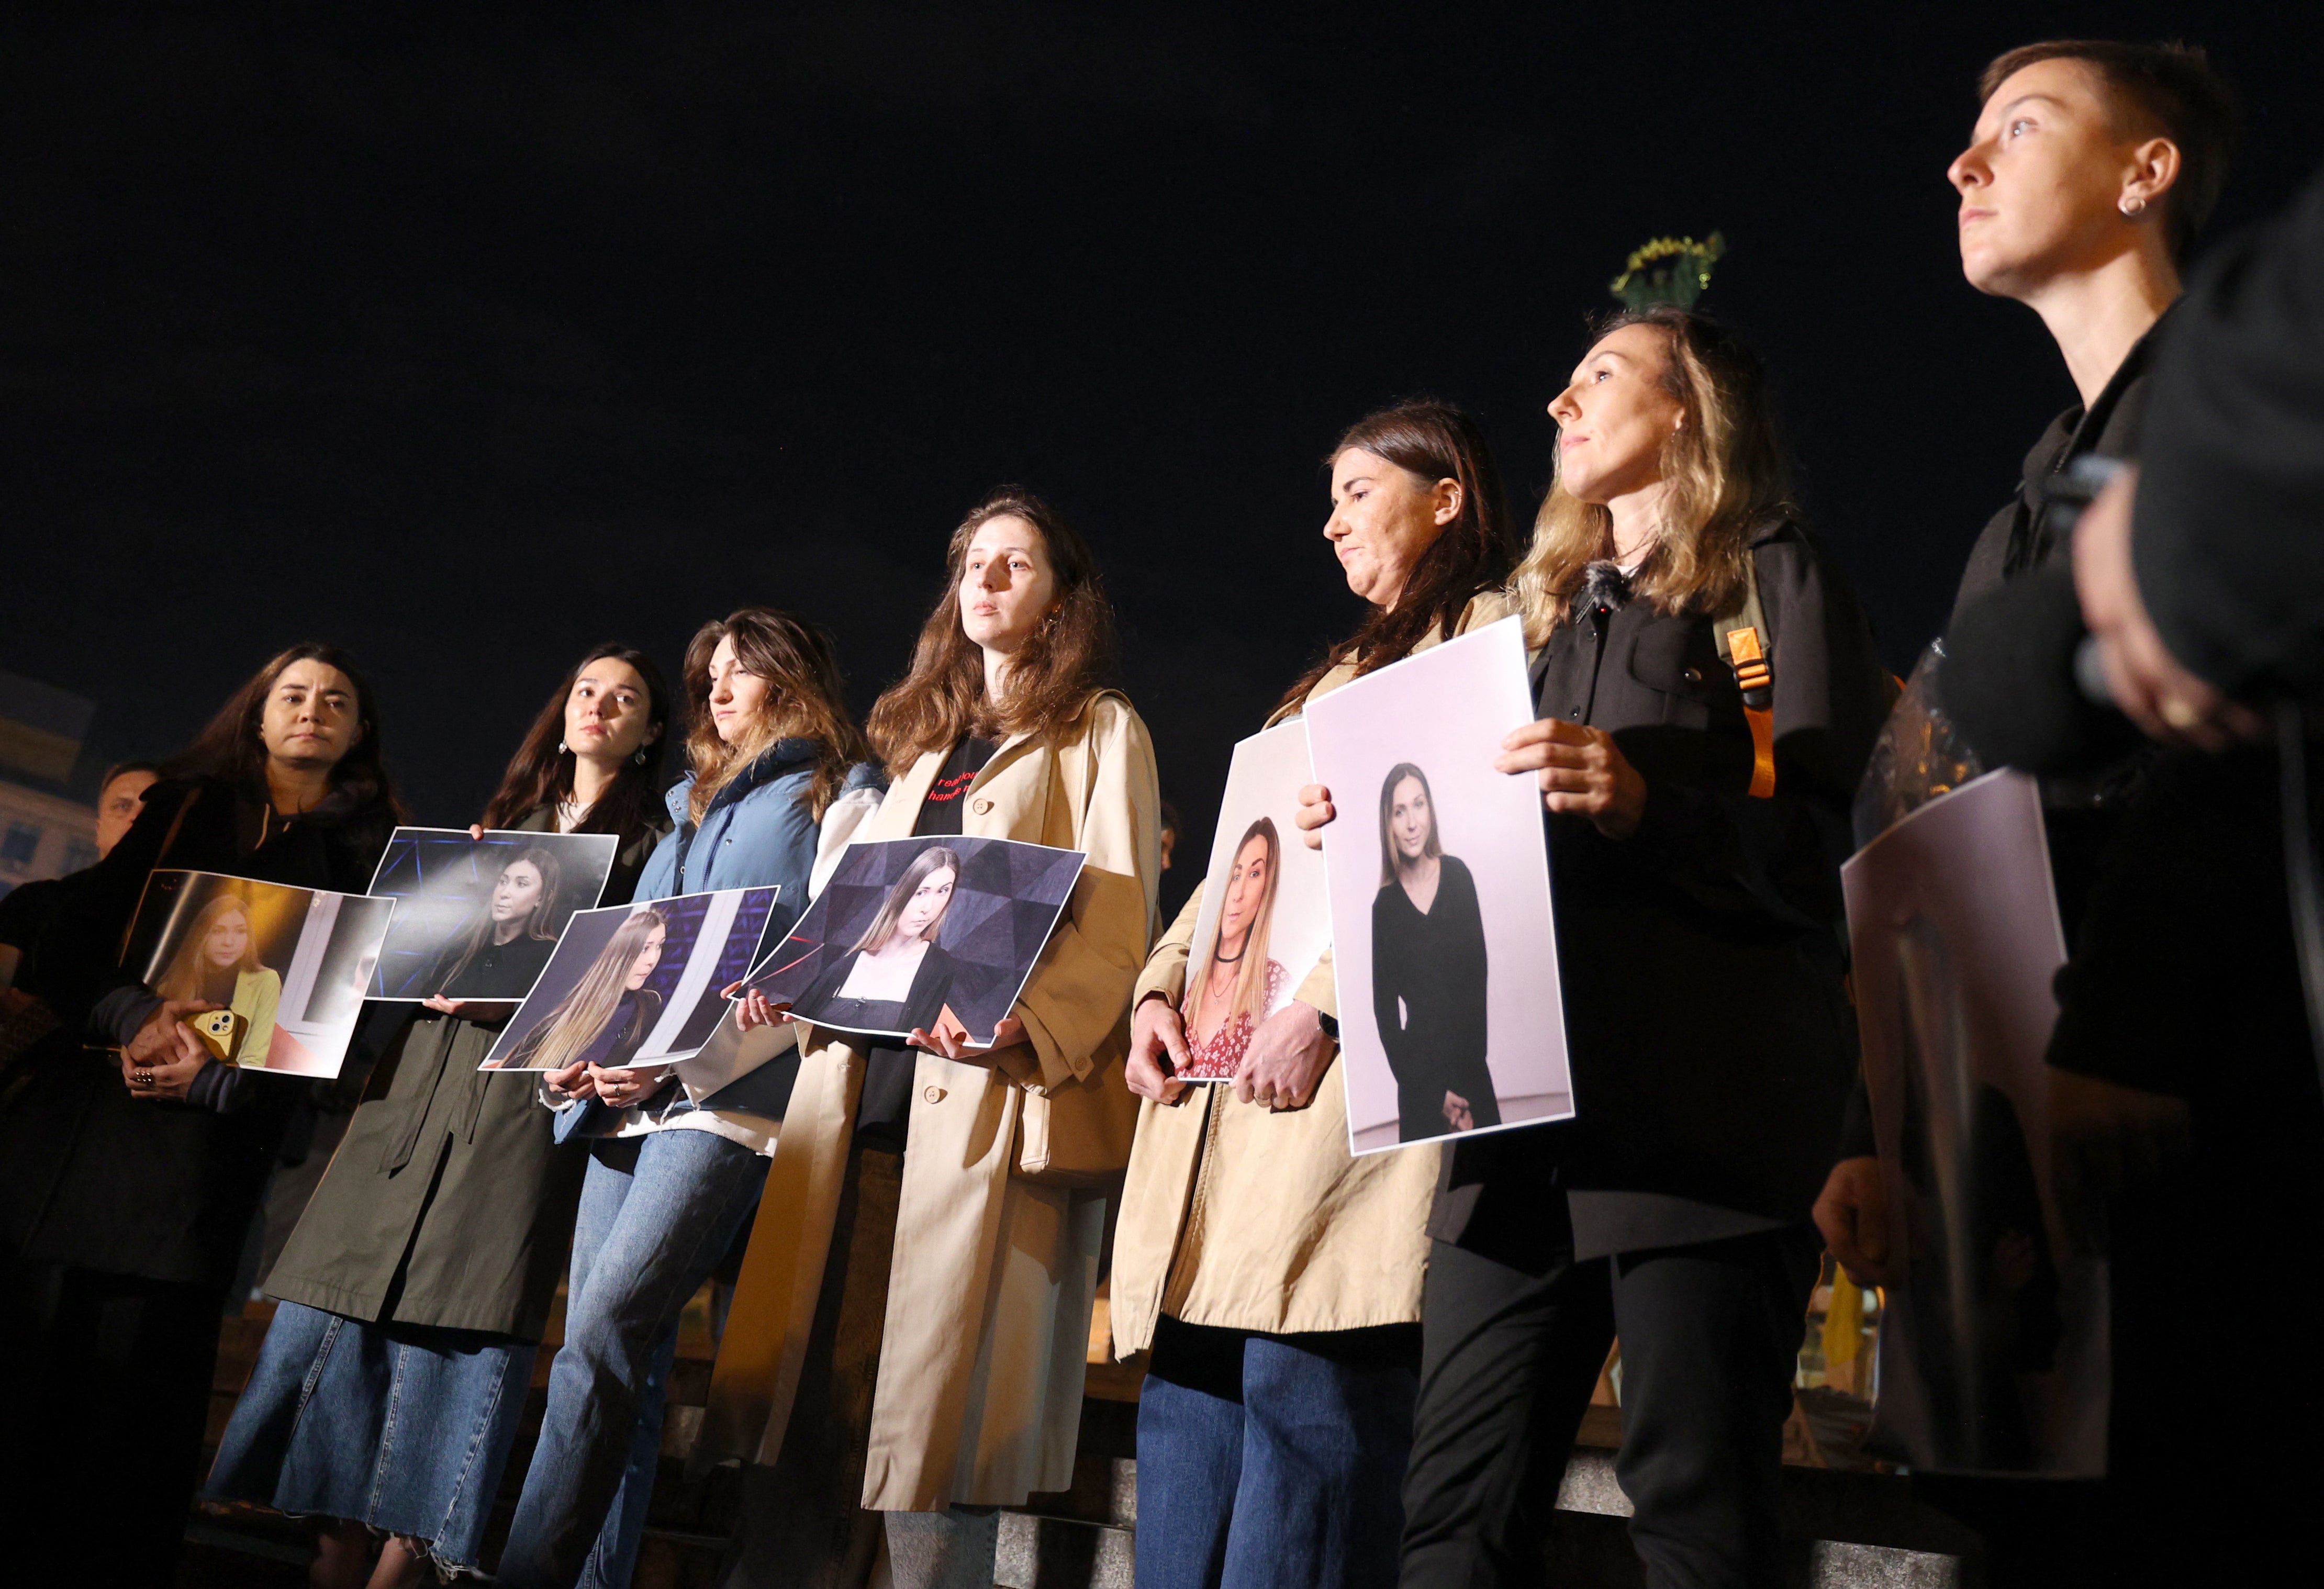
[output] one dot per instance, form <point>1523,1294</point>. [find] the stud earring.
<point>2134,206</point>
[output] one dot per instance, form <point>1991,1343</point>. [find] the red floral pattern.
<point>1216,1059</point>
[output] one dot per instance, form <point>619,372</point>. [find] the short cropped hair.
<point>2170,88</point>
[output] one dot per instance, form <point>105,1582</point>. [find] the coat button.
<point>1577,713</point>
<point>933,1095</point>
<point>981,805</point>
<point>1693,675</point>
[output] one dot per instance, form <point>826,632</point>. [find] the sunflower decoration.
<point>1668,270</point>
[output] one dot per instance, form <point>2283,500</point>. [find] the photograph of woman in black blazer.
<point>897,977</point>
<point>605,1017</point>
<point>1428,969</point>
<point>508,947</point>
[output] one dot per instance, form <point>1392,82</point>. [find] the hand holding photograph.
<point>1444,948</point>
<point>478,918</point>
<point>286,966</point>
<point>912,933</point>
<point>635,985</point>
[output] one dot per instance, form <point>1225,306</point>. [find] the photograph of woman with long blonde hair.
<point>1235,985</point>
<point>606,1016</point>
<point>515,931</point>
<point>897,976</point>
<point>216,962</point>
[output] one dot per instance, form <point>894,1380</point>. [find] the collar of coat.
<point>784,755</point>
<point>912,787</point>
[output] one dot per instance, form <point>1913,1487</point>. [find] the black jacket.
<point>2229,533</point>
<point>921,1007</point>
<point>90,1176</point>
<point>1712,1041</point>
<point>2025,534</point>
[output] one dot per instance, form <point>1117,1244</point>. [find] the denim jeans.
<point>657,1214</point>
<point>1274,1459</point>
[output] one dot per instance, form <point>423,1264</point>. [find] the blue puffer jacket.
<point>758,832</point>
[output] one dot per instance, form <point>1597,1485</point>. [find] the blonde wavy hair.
<point>1726,476</point>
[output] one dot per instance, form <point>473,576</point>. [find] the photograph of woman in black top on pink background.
<point>1444,945</point>
<point>1428,968</point>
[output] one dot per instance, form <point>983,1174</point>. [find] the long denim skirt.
<point>401,1426</point>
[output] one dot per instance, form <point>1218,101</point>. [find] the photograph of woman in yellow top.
<point>217,962</point>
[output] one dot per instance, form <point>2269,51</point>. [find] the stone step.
<point>1844,1529</point>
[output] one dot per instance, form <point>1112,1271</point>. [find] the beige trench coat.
<point>1251,1218</point>
<point>985,1347</point>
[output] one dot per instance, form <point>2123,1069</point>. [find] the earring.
<point>2134,206</point>
<point>641,755</point>
<point>560,747</point>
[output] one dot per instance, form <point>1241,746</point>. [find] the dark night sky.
<point>465,342</point>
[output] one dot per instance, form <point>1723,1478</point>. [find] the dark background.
<point>465,341</point>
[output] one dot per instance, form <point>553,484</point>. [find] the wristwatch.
<point>1329,1023</point>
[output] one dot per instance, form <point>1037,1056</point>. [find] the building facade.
<point>44,830</point>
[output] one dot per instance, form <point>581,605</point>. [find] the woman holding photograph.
<point>125,1200</point>
<point>217,963</point>
<point>1235,985</point>
<point>777,778</point>
<point>897,976</point>
<point>947,1197</point>
<point>1696,834</point>
<point>412,1294</point>
<point>1428,969</point>
<point>515,932</point>
<point>1276,1278</point>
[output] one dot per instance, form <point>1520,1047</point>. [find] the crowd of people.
<point>1359,1371</point>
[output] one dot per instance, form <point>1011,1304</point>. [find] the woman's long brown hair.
<point>230,748</point>
<point>934,858</point>
<point>1050,682</point>
<point>540,773</point>
<point>806,699</point>
<point>581,1016</point>
<point>1432,441</point>
<point>1726,476</point>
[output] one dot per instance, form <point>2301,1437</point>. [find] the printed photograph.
<point>636,986</point>
<point>478,919</point>
<point>1444,955</point>
<point>287,967</point>
<point>1265,920</point>
<point>1993,1349</point>
<point>912,932</point>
